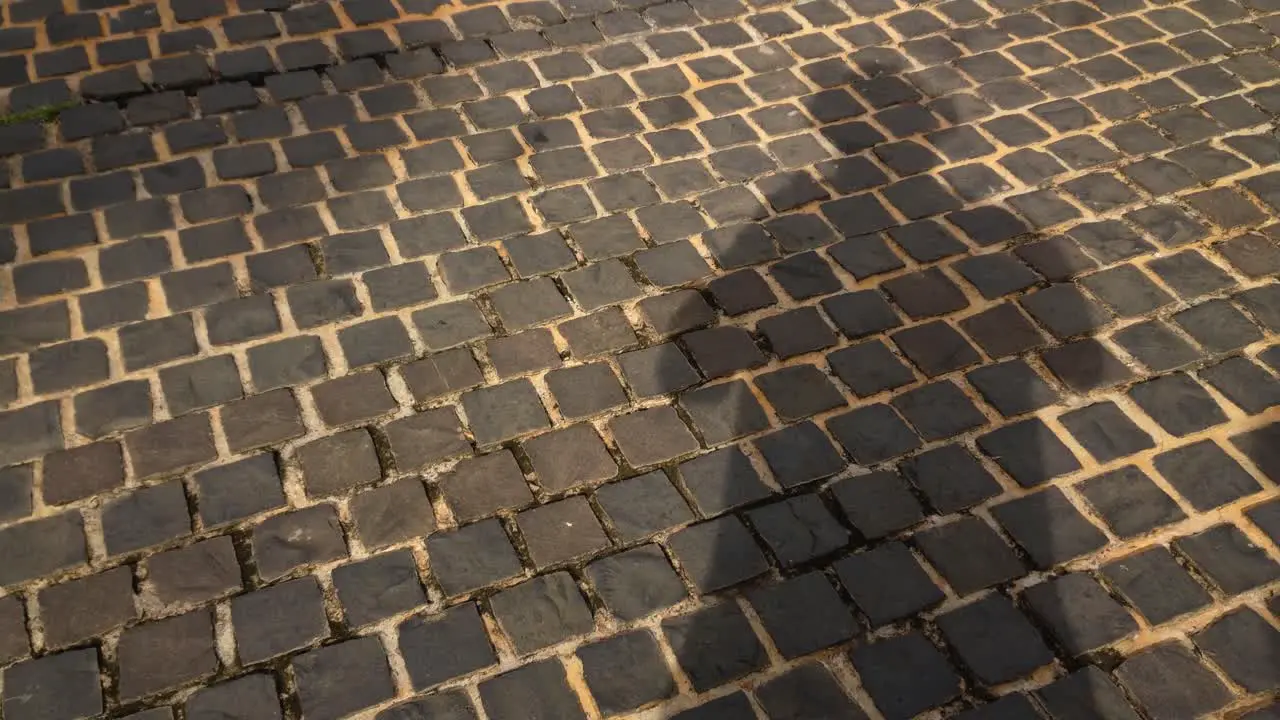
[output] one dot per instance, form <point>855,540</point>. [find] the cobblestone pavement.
<point>832,359</point>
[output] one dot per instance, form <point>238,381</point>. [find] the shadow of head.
<point>919,385</point>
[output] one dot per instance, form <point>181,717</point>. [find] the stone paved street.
<point>698,359</point>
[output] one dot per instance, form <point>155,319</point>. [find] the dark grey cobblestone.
<point>844,358</point>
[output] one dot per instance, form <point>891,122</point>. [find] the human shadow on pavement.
<point>960,432</point>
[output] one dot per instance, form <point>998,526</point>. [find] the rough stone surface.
<point>83,608</point>
<point>437,648</point>
<point>825,359</point>
<point>61,685</point>
<point>275,620</point>
<point>163,654</point>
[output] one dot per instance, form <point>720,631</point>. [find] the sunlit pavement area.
<point>827,359</point>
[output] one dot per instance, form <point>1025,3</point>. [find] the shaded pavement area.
<point>597,358</point>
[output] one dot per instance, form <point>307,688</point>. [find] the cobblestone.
<point>63,684</point>
<point>541,612</point>
<point>196,573</point>
<point>405,358</point>
<point>83,608</point>
<point>633,655</point>
<point>278,619</point>
<point>339,679</point>
<point>803,615</point>
<point>714,645</point>
<point>250,696</point>
<point>448,645</point>
<point>906,675</point>
<point>163,654</point>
